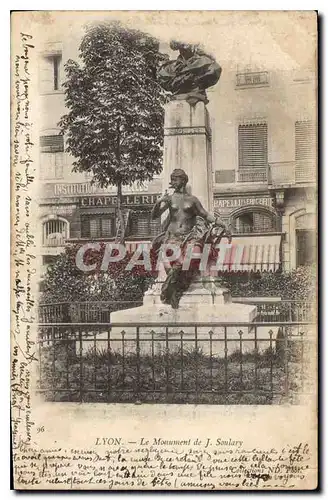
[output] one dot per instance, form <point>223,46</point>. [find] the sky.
<point>266,40</point>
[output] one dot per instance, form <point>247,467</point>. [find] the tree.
<point>114,125</point>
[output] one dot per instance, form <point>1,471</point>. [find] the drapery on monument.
<point>188,224</point>
<point>190,74</point>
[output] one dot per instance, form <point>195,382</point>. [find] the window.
<point>252,152</point>
<point>255,222</point>
<point>305,247</point>
<point>305,150</point>
<point>52,156</point>
<point>50,73</point>
<point>97,226</point>
<point>141,225</point>
<point>55,231</point>
<point>252,145</point>
<point>49,260</point>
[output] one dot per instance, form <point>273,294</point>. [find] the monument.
<point>187,295</point>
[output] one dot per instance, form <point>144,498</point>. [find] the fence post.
<point>211,357</point>
<point>225,360</point>
<point>109,384</point>
<point>138,364</point>
<point>181,359</point>
<point>290,312</point>
<point>286,355</point>
<point>271,361</point>
<point>302,360</point>
<point>256,358</point>
<point>152,359</point>
<point>196,357</point>
<point>241,357</point>
<point>81,364</point>
<point>280,346</point>
<point>123,357</point>
<point>167,375</point>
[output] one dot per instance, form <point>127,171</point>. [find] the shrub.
<point>298,284</point>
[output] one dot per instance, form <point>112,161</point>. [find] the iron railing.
<point>212,363</point>
<point>82,312</point>
<point>252,174</point>
<point>99,312</point>
<point>291,173</point>
<point>251,229</point>
<point>282,311</point>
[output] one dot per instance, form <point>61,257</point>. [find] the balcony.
<point>252,174</point>
<point>252,79</point>
<point>292,173</point>
<point>54,240</point>
<point>248,229</point>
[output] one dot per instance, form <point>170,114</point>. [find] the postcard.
<point>164,250</point>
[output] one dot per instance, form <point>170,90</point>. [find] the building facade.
<point>264,143</point>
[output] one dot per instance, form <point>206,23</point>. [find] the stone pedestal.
<point>199,312</point>
<point>187,145</point>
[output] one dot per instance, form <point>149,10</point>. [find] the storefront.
<point>71,213</point>
<point>272,231</point>
<point>256,228</point>
<point>299,225</point>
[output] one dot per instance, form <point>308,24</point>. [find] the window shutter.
<point>252,145</point>
<point>107,227</point>
<point>46,74</point>
<point>305,141</point>
<point>56,71</point>
<point>85,227</point>
<point>305,151</point>
<point>59,164</point>
<point>50,73</point>
<point>52,143</point>
<point>94,228</point>
<point>142,226</point>
<point>155,227</point>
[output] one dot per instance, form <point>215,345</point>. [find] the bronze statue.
<point>190,74</point>
<point>188,223</point>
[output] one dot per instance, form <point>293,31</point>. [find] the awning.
<point>252,253</point>
<point>97,211</point>
<point>247,253</point>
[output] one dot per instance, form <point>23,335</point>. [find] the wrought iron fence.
<point>82,312</point>
<point>99,312</point>
<point>283,310</point>
<point>212,363</point>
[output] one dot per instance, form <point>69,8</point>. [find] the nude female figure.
<point>182,228</point>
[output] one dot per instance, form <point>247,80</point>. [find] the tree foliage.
<point>114,126</point>
<point>65,282</point>
<point>297,284</point>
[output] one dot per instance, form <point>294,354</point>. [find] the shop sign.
<point>106,201</point>
<point>237,202</point>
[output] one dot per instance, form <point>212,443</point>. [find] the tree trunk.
<point>120,234</point>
